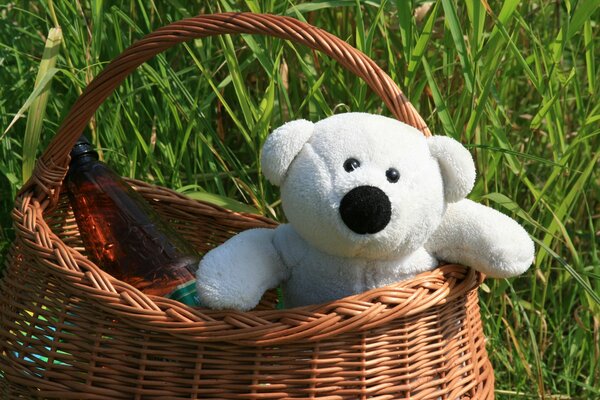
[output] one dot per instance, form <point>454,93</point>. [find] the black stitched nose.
<point>366,209</point>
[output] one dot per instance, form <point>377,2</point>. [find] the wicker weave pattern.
<point>69,330</point>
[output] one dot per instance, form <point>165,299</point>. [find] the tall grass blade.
<point>222,201</point>
<point>440,103</point>
<point>595,297</point>
<point>566,205</point>
<point>324,4</point>
<point>249,109</point>
<point>506,12</point>
<point>590,57</point>
<point>459,41</point>
<point>583,12</point>
<point>35,94</point>
<point>516,52</point>
<point>476,13</point>
<point>421,45</point>
<point>405,24</point>
<point>37,109</point>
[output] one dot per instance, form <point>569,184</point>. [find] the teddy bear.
<point>370,201</point>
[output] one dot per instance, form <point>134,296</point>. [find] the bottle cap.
<point>82,147</point>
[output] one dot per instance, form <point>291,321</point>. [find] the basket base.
<point>9,391</point>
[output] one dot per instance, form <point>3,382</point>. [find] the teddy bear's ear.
<point>282,146</point>
<point>456,164</point>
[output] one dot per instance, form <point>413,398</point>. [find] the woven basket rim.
<point>362,311</point>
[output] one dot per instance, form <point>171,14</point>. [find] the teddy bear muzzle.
<point>366,209</point>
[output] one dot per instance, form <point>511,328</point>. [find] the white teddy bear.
<point>370,201</point>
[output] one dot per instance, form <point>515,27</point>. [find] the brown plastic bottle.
<point>124,235</point>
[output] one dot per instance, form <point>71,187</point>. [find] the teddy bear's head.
<point>363,185</point>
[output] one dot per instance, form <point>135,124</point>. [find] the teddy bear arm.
<point>236,274</point>
<point>482,238</point>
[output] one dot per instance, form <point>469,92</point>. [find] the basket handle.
<point>52,166</point>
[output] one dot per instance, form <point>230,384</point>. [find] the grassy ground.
<point>517,82</point>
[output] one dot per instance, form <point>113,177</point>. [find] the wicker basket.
<point>68,330</point>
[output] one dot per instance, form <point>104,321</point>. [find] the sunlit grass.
<point>517,82</point>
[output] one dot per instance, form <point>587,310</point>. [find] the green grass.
<point>517,82</point>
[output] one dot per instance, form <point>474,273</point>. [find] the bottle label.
<point>186,293</point>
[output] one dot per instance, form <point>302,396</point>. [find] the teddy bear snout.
<point>366,209</point>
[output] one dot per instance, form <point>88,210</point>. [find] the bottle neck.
<point>83,153</point>
<point>83,160</point>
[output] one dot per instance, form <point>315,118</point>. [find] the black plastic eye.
<point>351,164</point>
<point>392,175</point>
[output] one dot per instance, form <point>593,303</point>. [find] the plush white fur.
<point>457,166</point>
<point>482,238</point>
<point>237,274</point>
<point>317,257</point>
<point>283,146</point>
